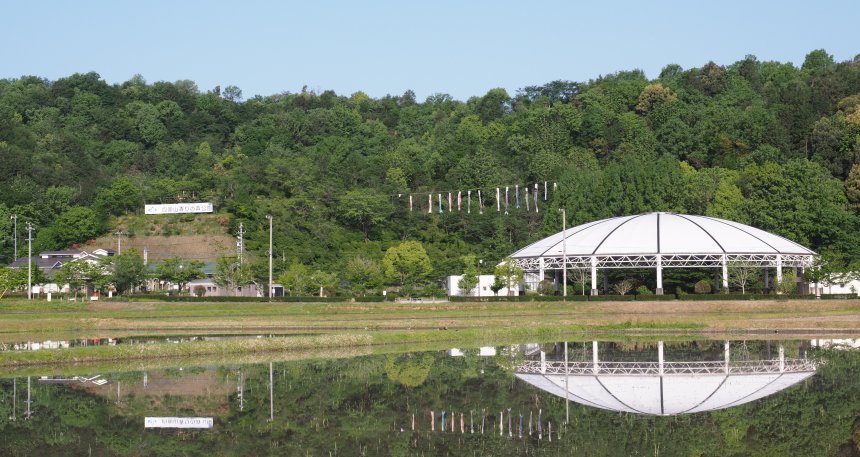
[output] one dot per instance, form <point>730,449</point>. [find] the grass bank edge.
<point>476,336</point>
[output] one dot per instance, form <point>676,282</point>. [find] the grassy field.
<point>315,326</point>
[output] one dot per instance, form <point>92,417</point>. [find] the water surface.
<point>464,401</point>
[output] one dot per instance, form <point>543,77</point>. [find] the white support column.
<point>725,274</point>
<point>727,356</point>
<point>540,271</point>
<point>781,359</point>
<point>660,356</point>
<point>779,273</point>
<point>659,290</point>
<point>543,362</point>
<point>594,276</point>
<point>595,368</point>
<point>566,387</point>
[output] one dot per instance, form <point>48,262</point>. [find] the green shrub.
<point>702,287</point>
<point>643,290</point>
<point>546,287</point>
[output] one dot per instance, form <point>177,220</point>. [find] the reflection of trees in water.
<point>354,406</point>
<point>410,370</point>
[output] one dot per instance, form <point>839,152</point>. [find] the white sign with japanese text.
<point>178,422</point>
<point>179,208</point>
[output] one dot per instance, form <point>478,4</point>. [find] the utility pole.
<point>118,242</point>
<point>564,251</point>
<point>14,398</point>
<point>241,390</point>
<point>240,245</point>
<point>271,395</point>
<point>15,234</point>
<point>270,256</point>
<point>29,270</point>
<point>29,414</point>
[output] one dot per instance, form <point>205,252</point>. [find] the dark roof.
<point>61,253</point>
<point>43,264</point>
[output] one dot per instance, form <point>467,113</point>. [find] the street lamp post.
<point>29,261</point>
<point>269,217</point>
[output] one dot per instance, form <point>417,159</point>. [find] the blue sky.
<point>462,48</point>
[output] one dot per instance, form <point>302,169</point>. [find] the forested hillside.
<point>763,143</point>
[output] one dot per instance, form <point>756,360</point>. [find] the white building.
<point>485,286</point>
<point>848,287</point>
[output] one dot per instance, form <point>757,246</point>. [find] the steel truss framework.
<point>534,264</point>
<point>669,368</point>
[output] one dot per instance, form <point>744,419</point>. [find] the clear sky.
<point>462,48</point>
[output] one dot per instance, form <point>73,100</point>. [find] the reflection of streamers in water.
<point>451,417</point>
<point>540,431</point>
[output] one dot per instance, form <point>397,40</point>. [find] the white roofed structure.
<point>665,388</point>
<point>662,240</point>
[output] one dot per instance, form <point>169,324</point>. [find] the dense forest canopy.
<point>760,142</point>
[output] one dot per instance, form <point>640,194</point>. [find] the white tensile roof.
<point>662,233</point>
<point>665,395</point>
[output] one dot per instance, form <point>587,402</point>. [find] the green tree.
<point>788,285</point>
<point>76,225</point>
<point>121,197</point>
<point>470,277</point>
<point>363,273</point>
<point>407,263</point>
<point>510,274</point>
<point>498,284</point>
<point>653,96</point>
<point>742,274</point>
<point>75,274</point>
<point>231,274</point>
<point>126,271</point>
<point>297,278</point>
<point>10,279</point>
<point>852,187</point>
<point>364,209</point>
<point>321,280</point>
<point>179,271</point>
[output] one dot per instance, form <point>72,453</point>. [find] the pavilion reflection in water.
<point>665,387</point>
